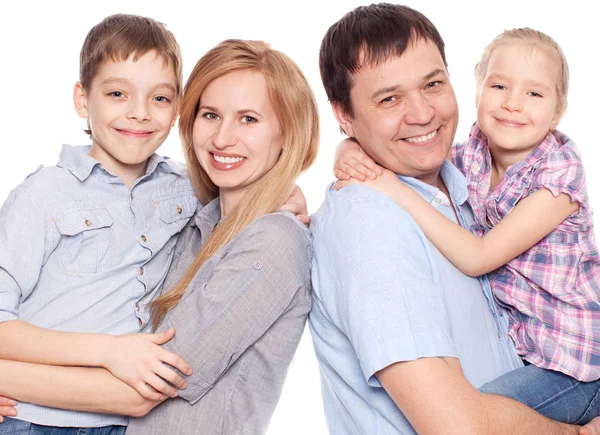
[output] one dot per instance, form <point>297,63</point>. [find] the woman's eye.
<point>210,116</point>
<point>247,119</point>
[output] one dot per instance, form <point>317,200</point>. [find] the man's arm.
<point>436,398</point>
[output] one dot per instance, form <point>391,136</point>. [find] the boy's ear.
<point>80,100</point>
<point>176,114</point>
<point>343,118</point>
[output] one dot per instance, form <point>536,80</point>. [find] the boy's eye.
<point>500,87</point>
<point>210,116</point>
<point>117,94</point>
<point>162,99</point>
<point>247,119</point>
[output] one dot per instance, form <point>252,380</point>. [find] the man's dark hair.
<point>369,35</point>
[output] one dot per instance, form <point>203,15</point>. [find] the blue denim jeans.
<point>12,426</point>
<point>553,394</point>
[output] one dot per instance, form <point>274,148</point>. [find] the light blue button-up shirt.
<point>382,293</point>
<point>82,252</point>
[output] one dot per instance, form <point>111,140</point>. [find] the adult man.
<point>401,335</point>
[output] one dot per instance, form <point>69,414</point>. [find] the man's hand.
<point>352,162</point>
<point>7,408</point>
<point>296,204</point>
<point>139,361</point>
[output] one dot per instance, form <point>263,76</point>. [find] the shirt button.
<point>137,307</point>
<point>141,270</point>
<point>88,222</point>
<point>144,238</point>
<point>257,265</point>
<point>131,195</point>
<point>179,210</point>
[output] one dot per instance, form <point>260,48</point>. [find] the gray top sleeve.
<point>237,296</point>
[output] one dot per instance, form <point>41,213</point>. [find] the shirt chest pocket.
<point>86,241</point>
<point>174,213</point>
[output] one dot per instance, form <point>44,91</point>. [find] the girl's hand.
<point>7,408</point>
<point>139,361</point>
<point>296,203</point>
<point>352,162</point>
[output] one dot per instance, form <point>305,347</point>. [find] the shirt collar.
<point>208,217</point>
<point>551,142</point>
<point>76,160</point>
<point>455,182</point>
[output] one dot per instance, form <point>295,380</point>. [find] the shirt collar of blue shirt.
<point>455,182</point>
<point>77,161</point>
<point>208,217</point>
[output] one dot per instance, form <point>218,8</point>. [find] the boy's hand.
<point>352,162</point>
<point>138,360</point>
<point>7,408</point>
<point>296,203</point>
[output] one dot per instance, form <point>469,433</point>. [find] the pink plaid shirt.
<point>552,290</point>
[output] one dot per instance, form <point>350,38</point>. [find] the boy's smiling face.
<point>131,107</point>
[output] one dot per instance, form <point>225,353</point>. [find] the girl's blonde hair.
<point>296,109</point>
<point>536,39</point>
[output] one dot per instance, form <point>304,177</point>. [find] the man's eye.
<point>388,99</point>
<point>434,84</point>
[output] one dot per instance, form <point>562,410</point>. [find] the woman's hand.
<point>139,361</point>
<point>296,204</point>
<point>352,162</point>
<point>7,408</point>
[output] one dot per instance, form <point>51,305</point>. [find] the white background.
<point>40,43</point>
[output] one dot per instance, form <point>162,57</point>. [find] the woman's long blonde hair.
<point>296,109</point>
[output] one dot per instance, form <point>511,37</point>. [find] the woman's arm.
<point>250,288</point>
<point>532,219</point>
<point>76,388</point>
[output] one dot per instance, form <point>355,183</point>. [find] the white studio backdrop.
<point>40,43</point>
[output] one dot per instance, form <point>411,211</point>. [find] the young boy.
<point>86,244</point>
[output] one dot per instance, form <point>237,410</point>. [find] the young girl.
<point>533,224</point>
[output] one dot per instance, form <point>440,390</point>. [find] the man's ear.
<point>343,118</point>
<point>80,101</point>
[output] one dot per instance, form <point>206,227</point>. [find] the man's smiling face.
<point>404,111</point>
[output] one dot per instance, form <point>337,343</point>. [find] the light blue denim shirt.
<point>82,252</point>
<point>382,293</point>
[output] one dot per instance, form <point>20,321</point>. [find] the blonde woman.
<point>238,291</point>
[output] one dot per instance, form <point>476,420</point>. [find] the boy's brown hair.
<point>119,36</point>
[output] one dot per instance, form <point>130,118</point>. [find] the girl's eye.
<point>500,87</point>
<point>247,119</point>
<point>210,116</point>
<point>535,94</point>
<point>162,99</point>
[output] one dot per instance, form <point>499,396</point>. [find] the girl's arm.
<point>76,388</point>
<point>532,219</point>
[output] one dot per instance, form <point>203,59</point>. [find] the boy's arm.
<point>532,219</point>
<point>76,388</point>
<point>436,398</point>
<point>27,238</point>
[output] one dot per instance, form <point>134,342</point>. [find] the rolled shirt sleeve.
<point>249,289</point>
